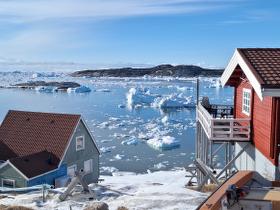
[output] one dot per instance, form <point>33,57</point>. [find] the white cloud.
<point>19,10</point>
<point>34,42</point>
<point>44,34</point>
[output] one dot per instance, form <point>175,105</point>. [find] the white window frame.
<point>246,101</point>
<point>90,162</point>
<point>71,167</point>
<point>9,180</point>
<point>83,145</point>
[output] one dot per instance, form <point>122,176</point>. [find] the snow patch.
<point>155,190</point>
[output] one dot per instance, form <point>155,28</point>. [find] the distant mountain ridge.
<point>160,70</point>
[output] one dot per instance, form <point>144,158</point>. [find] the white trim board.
<point>25,177</point>
<point>92,137</point>
<point>68,144</point>
<point>237,59</point>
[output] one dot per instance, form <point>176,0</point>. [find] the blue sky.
<point>134,32</point>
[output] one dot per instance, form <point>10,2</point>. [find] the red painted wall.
<point>261,119</point>
<point>262,125</point>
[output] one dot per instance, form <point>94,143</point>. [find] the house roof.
<point>5,152</point>
<point>27,133</point>
<point>35,164</point>
<point>261,67</point>
<point>265,63</point>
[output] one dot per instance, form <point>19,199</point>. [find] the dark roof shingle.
<point>26,133</point>
<point>266,63</point>
<point>36,164</point>
<point>5,152</point>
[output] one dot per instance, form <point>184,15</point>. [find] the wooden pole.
<point>197,90</point>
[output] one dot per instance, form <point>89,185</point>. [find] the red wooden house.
<point>255,75</point>
<point>250,129</point>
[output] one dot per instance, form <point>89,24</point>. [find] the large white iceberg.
<point>163,142</point>
<point>81,89</point>
<point>140,96</point>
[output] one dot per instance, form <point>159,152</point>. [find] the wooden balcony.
<point>220,125</point>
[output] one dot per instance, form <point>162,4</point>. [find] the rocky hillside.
<point>161,70</point>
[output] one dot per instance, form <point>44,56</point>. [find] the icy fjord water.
<point>132,137</point>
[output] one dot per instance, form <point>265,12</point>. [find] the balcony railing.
<point>220,125</point>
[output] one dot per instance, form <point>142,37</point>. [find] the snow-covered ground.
<point>158,190</point>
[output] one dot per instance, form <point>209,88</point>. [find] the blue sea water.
<point>118,129</point>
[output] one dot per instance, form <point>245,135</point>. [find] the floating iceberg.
<point>174,101</point>
<point>215,84</point>
<point>46,89</point>
<point>163,143</point>
<point>159,166</point>
<point>81,89</point>
<point>185,88</point>
<point>103,90</point>
<point>131,141</point>
<point>107,149</point>
<point>119,156</point>
<point>139,96</point>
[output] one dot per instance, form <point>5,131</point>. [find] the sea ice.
<point>103,90</point>
<point>159,166</point>
<point>139,96</point>
<point>173,101</point>
<point>108,170</point>
<point>215,84</point>
<point>81,89</point>
<point>131,141</point>
<point>164,120</point>
<point>107,149</point>
<point>119,156</point>
<point>163,142</point>
<point>46,89</point>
